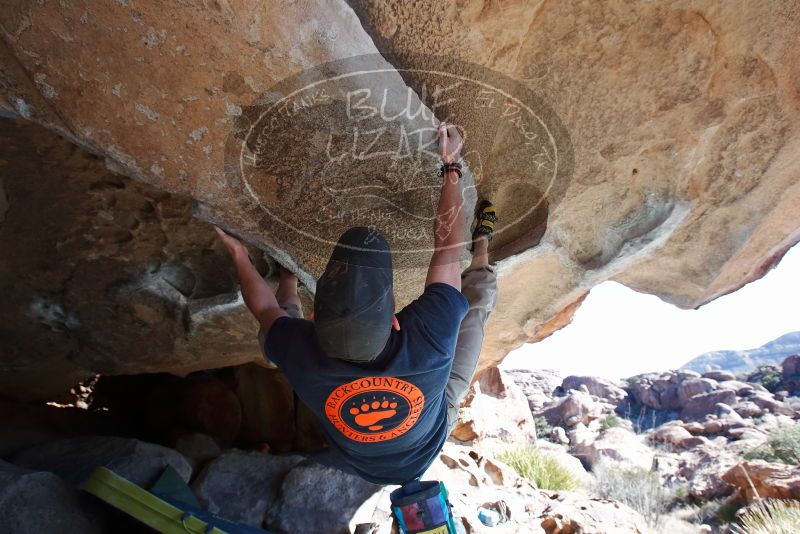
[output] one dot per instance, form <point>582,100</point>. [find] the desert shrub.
<point>770,517</point>
<point>782,446</point>
<point>768,376</point>
<point>706,512</point>
<point>680,493</point>
<point>726,513</point>
<point>543,428</point>
<point>636,487</point>
<point>543,471</point>
<point>609,421</point>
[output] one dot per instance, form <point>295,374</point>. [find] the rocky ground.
<point>685,441</point>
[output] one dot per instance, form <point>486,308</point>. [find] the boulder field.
<point>655,145</point>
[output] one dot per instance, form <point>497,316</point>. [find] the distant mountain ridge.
<point>742,361</point>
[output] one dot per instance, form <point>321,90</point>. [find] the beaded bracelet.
<point>450,167</point>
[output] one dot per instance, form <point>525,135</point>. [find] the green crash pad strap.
<point>143,505</point>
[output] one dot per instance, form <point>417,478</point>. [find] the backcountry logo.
<point>373,409</point>
<point>353,143</point>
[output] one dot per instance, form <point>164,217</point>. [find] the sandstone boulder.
<point>757,478</point>
<point>332,495</point>
<point>198,448</point>
<point>676,436</point>
<point>790,375</point>
<point>747,433</point>
<point>568,513</point>
<point>703,404</point>
<point>559,435</point>
<point>577,407</point>
<point>37,502</point>
<point>120,277</point>
<point>748,409</point>
<point>538,385</point>
<point>496,409</point>
<point>599,387</point>
<point>694,386</point>
<point>627,198</point>
<point>658,391</point>
<point>737,386</point>
<point>719,376</point>
<point>616,445</point>
<point>790,367</point>
<point>767,402</point>
<point>474,480</point>
<point>726,414</point>
<point>74,459</point>
<point>241,486</point>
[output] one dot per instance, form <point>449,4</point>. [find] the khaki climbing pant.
<point>479,286</point>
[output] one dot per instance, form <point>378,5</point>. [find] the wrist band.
<point>450,167</point>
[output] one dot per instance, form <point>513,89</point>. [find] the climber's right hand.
<point>450,143</point>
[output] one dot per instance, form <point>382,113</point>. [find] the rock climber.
<point>385,387</point>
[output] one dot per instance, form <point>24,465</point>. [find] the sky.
<point>618,332</point>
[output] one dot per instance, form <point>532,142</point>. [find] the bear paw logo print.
<point>369,414</point>
<point>374,408</point>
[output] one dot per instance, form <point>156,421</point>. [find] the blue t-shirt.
<point>387,418</point>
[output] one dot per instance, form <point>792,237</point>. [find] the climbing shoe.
<point>485,218</point>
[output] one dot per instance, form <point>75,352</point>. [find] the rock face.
<point>665,137</point>
<point>576,407</point>
<point>39,502</point>
<point>241,486</point>
<point>615,445</point>
<point>677,436</point>
<point>790,375</point>
<point>538,385</point>
<point>119,278</point>
<point>758,478</point>
<point>333,503</point>
<point>605,389</point>
<point>494,393</point>
<point>567,513</point>
<point>74,459</point>
<point>474,481</point>
<point>701,405</point>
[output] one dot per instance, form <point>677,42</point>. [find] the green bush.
<point>636,487</point>
<point>768,376</point>
<point>543,428</point>
<point>680,493</point>
<point>782,446</point>
<point>609,421</point>
<point>770,517</point>
<point>543,471</point>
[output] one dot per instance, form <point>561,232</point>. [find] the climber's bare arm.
<point>449,226</point>
<point>258,296</point>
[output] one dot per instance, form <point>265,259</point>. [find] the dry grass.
<point>770,517</point>
<point>541,470</point>
<point>638,488</point>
